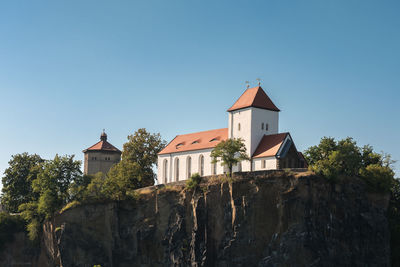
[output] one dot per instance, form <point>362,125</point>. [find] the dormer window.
<point>214,139</point>
<point>195,142</point>
<point>179,145</point>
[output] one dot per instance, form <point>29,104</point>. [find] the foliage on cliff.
<point>52,188</point>
<point>140,155</point>
<point>332,158</point>
<point>193,181</point>
<point>17,181</point>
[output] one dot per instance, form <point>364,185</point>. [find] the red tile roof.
<point>102,146</point>
<point>254,97</point>
<point>269,145</point>
<point>196,141</point>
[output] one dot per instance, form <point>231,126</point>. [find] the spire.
<point>103,136</point>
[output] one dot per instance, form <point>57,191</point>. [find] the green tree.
<point>52,183</point>
<point>123,178</point>
<point>143,148</point>
<point>17,181</point>
<point>332,158</point>
<point>56,176</point>
<point>229,152</point>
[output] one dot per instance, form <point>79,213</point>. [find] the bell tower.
<point>251,117</point>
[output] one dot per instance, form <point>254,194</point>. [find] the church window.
<point>165,170</point>
<point>189,166</point>
<point>239,127</point>
<point>262,126</point>
<point>176,169</point>
<point>201,165</point>
<point>214,168</point>
<point>263,163</point>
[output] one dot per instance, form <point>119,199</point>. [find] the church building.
<point>101,156</point>
<point>255,119</point>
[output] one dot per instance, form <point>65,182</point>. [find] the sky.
<point>69,69</point>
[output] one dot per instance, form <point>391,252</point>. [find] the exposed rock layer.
<point>261,219</point>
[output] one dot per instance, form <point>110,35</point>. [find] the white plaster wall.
<point>243,117</point>
<point>270,163</point>
<point>182,156</point>
<point>259,116</point>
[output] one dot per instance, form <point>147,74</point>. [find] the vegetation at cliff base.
<point>229,152</point>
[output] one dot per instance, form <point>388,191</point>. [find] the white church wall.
<point>241,117</point>
<point>267,163</point>
<point>259,119</point>
<point>183,165</point>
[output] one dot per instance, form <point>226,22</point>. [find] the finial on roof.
<point>103,136</point>
<point>247,84</point>
<point>259,81</point>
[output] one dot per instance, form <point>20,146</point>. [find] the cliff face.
<point>261,219</point>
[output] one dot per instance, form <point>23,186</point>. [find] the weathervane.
<point>259,81</point>
<point>247,84</point>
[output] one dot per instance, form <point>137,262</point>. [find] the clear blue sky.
<point>68,69</point>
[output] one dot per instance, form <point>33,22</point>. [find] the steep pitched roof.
<point>270,145</point>
<point>196,141</point>
<point>254,97</point>
<point>102,146</point>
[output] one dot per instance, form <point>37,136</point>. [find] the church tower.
<point>251,117</point>
<point>101,156</point>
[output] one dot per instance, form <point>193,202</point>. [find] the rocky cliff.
<point>258,219</point>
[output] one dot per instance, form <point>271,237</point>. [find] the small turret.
<point>103,136</point>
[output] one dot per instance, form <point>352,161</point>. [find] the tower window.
<point>238,126</point>
<point>266,126</point>
<point>262,126</point>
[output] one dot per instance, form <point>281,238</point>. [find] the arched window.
<point>214,168</point>
<point>262,126</point>
<point>201,165</point>
<point>165,169</point>
<point>176,169</point>
<point>238,126</point>
<point>189,166</point>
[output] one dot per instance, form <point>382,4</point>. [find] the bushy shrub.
<point>193,182</point>
<point>331,159</point>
